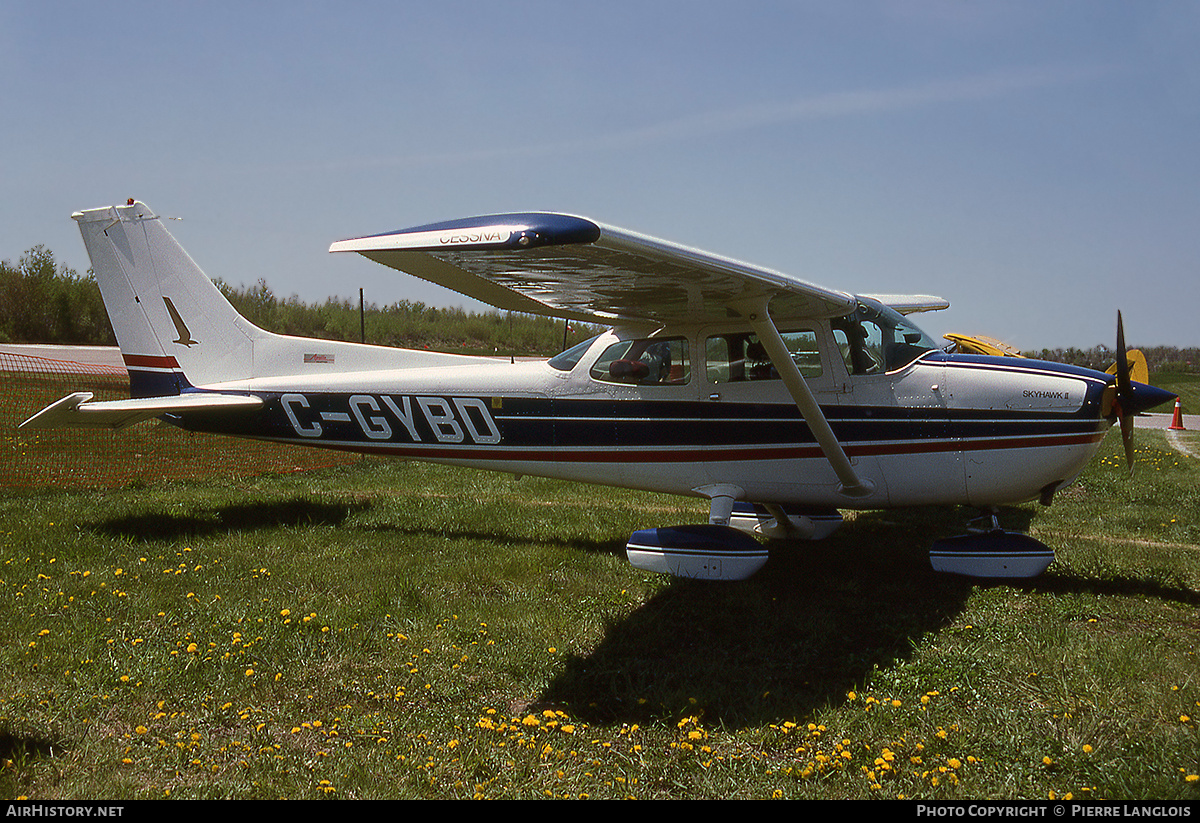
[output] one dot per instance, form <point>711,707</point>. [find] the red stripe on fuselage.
<point>709,454</point>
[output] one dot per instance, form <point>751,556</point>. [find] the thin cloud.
<point>828,106</point>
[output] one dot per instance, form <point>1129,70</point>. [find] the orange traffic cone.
<point>1177,421</point>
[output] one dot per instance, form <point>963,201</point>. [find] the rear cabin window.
<point>733,358</point>
<point>648,362</point>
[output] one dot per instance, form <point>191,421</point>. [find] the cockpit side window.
<point>877,339</point>
<point>647,362</point>
<point>741,356</point>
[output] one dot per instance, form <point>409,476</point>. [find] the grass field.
<point>393,630</point>
<point>1187,386</point>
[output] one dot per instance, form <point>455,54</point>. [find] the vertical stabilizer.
<point>174,327</point>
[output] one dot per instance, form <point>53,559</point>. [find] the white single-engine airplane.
<point>777,400</point>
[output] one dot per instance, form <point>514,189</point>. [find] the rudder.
<point>175,328</point>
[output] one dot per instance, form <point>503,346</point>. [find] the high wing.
<point>566,266</point>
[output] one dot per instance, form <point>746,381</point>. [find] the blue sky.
<point>1035,163</point>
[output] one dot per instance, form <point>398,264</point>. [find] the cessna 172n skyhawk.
<point>777,400</point>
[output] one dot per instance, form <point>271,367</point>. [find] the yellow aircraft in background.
<point>1138,370</point>
<point>978,344</point>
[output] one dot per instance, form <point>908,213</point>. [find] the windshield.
<point>567,360</point>
<point>877,339</point>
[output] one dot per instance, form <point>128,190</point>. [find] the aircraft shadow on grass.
<point>615,548</point>
<point>812,625</point>
<point>1118,586</point>
<point>157,525</point>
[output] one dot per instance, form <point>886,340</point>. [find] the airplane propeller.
<point>1124,394</point>
<point>1127,398</point>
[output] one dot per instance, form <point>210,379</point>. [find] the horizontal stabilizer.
<point>77,410</point>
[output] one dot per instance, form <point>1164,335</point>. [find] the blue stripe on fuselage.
<point>516,423</point>
<point>1017,365</point>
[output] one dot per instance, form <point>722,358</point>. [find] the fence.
<point>145,452</point>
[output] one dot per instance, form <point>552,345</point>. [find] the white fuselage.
<point>944,429</point>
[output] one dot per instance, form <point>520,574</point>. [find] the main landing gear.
<point>988,551</point>
<point>726,547</point>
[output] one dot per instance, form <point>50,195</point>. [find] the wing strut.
<point>781,359</point>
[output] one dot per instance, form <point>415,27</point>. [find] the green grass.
<point>396,630</point>
<point>1187,386</point>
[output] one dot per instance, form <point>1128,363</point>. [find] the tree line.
<point>1158,358</point>
<point>405,323</point>
<point>46,302</point>
<point>41,302</point>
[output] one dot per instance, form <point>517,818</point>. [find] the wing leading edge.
<point>566,266</point>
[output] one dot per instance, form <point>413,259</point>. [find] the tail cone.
<point>1177,421</point>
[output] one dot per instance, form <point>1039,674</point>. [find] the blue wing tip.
<point>538,228</point>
